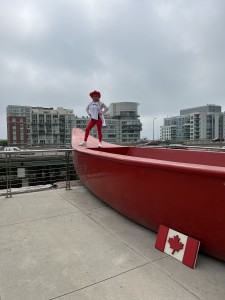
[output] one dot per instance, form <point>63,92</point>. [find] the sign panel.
<point>178,245</point>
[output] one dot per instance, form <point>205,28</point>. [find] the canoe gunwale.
<point>154,163</point>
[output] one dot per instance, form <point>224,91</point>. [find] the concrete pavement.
<point>66,245</point>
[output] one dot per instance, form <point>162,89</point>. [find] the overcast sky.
<point>166,55</point>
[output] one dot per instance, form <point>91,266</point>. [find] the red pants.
<point>90,125</point>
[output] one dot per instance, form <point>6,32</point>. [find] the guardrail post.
<point>67,154</point>
<point>8,176</point>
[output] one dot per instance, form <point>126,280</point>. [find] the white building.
<point>199,123</point>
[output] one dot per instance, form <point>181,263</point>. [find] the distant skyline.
<point>153,135</point>
<point>166,55</point>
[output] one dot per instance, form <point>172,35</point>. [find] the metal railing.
<point>32,169</point>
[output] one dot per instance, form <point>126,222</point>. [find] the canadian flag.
<point>178,245</point>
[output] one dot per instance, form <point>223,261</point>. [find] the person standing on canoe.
<point>95,109</point>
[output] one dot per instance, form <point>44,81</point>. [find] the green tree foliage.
<point>3,143</point>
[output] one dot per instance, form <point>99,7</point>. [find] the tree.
<point>3,143</point>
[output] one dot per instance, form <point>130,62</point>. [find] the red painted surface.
<point>182,189</point>
<point>191,251</point>
<point>161,241</point>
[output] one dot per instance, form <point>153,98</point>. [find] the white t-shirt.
<point>94,108</point>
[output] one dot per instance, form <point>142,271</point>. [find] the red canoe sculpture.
<point>181,189</point>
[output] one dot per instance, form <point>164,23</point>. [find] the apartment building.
<point>28,125</point>
<point>52,127</point>
<point>198,123</point>
<point>18,125</point>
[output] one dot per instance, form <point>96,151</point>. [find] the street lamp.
<point>153,128</point>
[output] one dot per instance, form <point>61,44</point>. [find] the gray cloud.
<point>165,55</point>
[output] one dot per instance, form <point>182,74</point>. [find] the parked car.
<point>63,147</point>
<point>12,149</point>
<point>153,142</point>
<point>218,139</point>
<point>16,150</point>
<point>177,146</point>
<point>149,143</point>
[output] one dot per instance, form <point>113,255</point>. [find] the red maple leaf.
<point>175,244</point>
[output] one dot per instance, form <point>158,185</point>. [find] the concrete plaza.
<point>67,244</point>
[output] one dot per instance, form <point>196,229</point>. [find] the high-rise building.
<point>28,125</point>
<point>198,123</point>
<point>18,124</point>
<point>51,126</point>
<point>32,126</point>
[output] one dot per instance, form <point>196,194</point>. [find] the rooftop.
<point>67,244</point>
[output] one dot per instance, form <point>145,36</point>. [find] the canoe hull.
<point>152,194</point>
